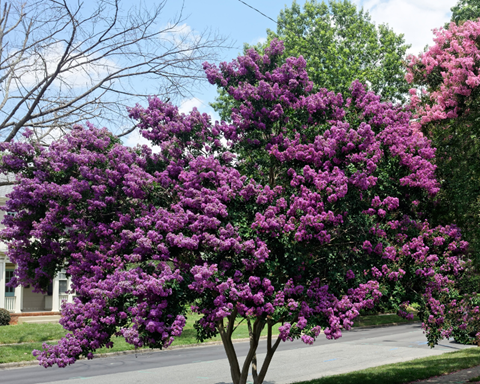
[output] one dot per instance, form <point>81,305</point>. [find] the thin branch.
<point>127,132</point>
<point>3,183</point>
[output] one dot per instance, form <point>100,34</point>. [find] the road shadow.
<point>264,382</point>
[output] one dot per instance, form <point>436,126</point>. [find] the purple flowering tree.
<point>303,210</point>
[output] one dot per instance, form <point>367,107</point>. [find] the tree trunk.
<point>270,352</point>
<point>241,376</point>
<point>254,360</point>
<point>226,335</point>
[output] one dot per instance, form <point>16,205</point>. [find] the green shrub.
<point>468,285</point>
<point>415,306</point>
<point>4,317</point>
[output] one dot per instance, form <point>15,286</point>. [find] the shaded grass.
<point>369,320</point>
<point>23,352</point>
<point>189,333</point>
<point>30,333</point>
<point>418,369</point>
<point>15,353</point>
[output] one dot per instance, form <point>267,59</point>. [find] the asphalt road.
<point>294,361</point>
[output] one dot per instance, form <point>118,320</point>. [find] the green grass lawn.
<point>418,369</point>
<point>34,334</point>
<point>29,333</point>
<point>23,352</point>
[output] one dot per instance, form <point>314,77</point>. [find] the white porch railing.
<point>10,303</point>
<point>63,298</point>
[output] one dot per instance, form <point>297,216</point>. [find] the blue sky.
<point>414,18</point>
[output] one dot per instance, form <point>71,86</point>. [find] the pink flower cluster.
<point>453,61</point>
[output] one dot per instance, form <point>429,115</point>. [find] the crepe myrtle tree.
<point>446,102</point>
<point>446,106</point>
<point>304,210</point>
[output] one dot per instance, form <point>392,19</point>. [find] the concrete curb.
<point>22,364</point>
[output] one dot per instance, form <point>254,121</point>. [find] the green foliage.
<point>468,285</point>
<point>4,317</point>
<point>465,10</point>
<point>342,44</point>
<point>458,171</point>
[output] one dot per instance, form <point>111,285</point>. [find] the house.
<point>24,304</point>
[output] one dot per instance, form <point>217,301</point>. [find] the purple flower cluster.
<point>303,218</point>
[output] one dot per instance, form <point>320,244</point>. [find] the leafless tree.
<point>64,61</point>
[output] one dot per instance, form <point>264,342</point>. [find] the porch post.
<point>3,277</point>
<point>55,295</point>
<point>69,287</point>
<point>18,299</point>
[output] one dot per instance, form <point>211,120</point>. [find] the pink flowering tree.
<point>446,104</point>
<point>303,211</point>
<point>446,110</point>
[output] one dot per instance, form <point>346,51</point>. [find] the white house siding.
<point>33,302</point>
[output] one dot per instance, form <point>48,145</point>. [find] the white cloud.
<point>414,18</point>
<point>135,138</point>
<point>178,29</point>
<point>258,40</point>
<point>188,104</point>
<point>79,73</point>
<point>181,36</point>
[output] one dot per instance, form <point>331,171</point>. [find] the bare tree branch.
<point>3,183</point>
<point>62,63</point>
<point>127,132</point>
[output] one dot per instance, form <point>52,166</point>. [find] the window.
<point>9,291</point>
<point>63,286</point>
<point>62,282</point>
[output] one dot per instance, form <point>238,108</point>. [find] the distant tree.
<point>311,212</point>
<point>64,62</point>
<point>465,10</point>
<point>341,44</point>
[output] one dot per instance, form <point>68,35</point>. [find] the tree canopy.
<point>341,44</point>
<point>305,209</point>
<point>465,10</point>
